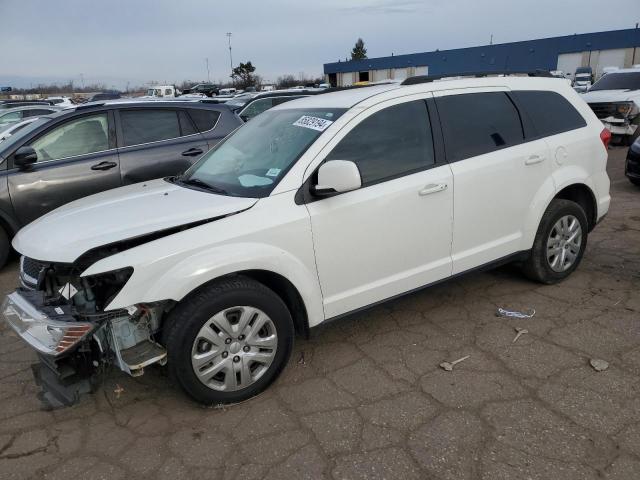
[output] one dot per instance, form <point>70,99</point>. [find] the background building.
<point>618,48</point>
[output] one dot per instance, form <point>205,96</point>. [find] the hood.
<point>606,96</point>
<point>123,213</point>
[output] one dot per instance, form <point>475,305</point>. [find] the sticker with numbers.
<point>314,123</point>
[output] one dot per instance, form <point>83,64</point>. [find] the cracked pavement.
<point>364,398</point>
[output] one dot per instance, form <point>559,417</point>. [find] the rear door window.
<point>390,143</point>
<point>550,112</point>
<point>204,120</point>
<point>146,126</point>
<point>478,123</point>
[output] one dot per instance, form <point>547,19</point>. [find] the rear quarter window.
<point>550,112</point>
<point>204,119</point>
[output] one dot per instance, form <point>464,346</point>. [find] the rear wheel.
<point>229,341</point>
<point>559,244</point>
<point>635,181</point>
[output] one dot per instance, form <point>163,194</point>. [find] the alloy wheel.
<point>564,243</point>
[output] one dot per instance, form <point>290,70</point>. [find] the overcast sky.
<point>138,41</point>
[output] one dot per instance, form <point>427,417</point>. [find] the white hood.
<point>69,231</point>
<point>606,96</point>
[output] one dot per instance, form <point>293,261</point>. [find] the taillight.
<point>605,136</point>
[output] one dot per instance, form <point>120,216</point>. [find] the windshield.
<point>618,81</point>
<point>252,160</point>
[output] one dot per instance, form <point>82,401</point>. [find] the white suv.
<point>615,99</point>
<point>316,208</point>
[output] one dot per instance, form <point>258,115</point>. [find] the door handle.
<point>192,152</point>
<point>104,166</point>
<point>533,159</point>
<point>432,188</point>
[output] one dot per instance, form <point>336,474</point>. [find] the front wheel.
<point>559,244</point>
<point>228,341</point>
<point>635,181</point>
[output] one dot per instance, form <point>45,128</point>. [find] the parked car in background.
<point>632,164</point>
<point>208,89</point>
<point>316,209</point>
<point>17,114</point>
<point>13,128</point>
<point>162,91</point>
<point>606,70</point>
<point>60,101</point>
<point>267,88</point>
<point>615,99</point>
<point>248,108</point>
<point>4,104</point>
<point>582,79</point>
<point>102,96</point>
<point>84,150</point>
<point>228,91</point>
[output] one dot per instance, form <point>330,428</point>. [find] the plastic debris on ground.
<point>519,333</point>
<point>448,366</point>
<point>515,314</point>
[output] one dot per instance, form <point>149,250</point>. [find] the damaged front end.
<point>62,316</point>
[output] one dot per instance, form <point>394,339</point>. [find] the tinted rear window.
<point>204,119</point>
<point>550,112</point>
<point>144,126</point>
<point>478,123</point>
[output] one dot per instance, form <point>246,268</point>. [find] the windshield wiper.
<point>196,182</point>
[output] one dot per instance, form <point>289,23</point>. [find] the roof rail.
<point>430,78</point>
<point>82,106</point>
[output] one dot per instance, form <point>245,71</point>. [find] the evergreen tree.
<point>359,52</point>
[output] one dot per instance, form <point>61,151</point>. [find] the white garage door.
<point>399,73</point>
<point>609,58</point>
<point>422,70</point>
<point>568,62</point>
<point>380,75</point>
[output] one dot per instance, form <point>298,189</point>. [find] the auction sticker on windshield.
<point>314,123</point>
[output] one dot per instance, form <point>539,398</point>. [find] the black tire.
<point>5,247</point>
<point>537,267</point>
<point>191,314</point>
<point>635,181</point>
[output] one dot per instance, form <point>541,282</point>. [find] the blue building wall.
<point>525,55</point>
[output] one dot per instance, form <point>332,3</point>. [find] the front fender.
<point>156,281</point>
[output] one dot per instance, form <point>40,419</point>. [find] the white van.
<point>162,91</point>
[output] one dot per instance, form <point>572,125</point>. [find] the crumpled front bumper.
<point>50,331</point>
<point>63,372</point>
<point>618,126</point>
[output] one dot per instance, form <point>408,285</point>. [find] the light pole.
<point>230,57</point>
<point>208,75</point>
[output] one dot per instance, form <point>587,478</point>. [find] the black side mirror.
<point>24,157</point>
